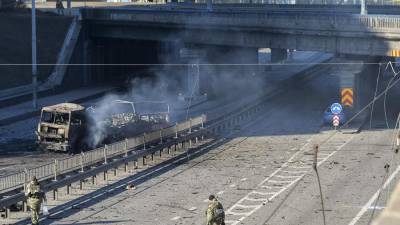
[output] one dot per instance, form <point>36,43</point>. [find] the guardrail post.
<point>8,213</point>
<point>169,150</point>
<point>115,172</point>
<point>144,141</point>
<point>105,175</point>
<point>55,194</point>
<point>126,147</point>
<point>190,131</point>
<point>94,179</point>
<point>144,160</point>
<point>190,125</point>
<point>126,154</point>
<point>80,185</point>
<point>105,154</point>
<point>68,189</point>
<point>24,205</point>
<point>55,169</point>
<point>202,127</point>
<point>25,178</point>
<point>161,136</point>
<point>176,130</point>
<point>82,161</point>
<point>135,164</point>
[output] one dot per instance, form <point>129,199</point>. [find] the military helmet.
<point>211,197</point>
<point>34,179</point>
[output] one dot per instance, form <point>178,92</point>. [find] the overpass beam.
<point>278,55</point>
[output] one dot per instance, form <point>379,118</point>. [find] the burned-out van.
<point>72,128</point>
<point>61,127</point>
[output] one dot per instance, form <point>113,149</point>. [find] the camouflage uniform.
<point>59,6</point>
<point>34,201</point>
<point>215,212</point>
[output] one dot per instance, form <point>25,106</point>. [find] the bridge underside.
<point>250,38</point>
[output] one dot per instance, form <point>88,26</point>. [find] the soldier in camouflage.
<point>215,212</point>
<point>34,199</point>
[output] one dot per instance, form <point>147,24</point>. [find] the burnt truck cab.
<point>61,127</point>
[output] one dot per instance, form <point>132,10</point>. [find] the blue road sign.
<point>336,108</point>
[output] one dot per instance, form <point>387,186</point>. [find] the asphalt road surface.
<point>263,174</point>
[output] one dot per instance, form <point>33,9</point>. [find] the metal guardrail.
<point>302,2</point>
<point>59,167</point>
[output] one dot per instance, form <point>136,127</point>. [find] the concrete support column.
<point>364,86</point>
<point>278,55</point>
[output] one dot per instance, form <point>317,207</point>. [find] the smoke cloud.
<point>223,84</point>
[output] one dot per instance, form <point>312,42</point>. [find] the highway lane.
<point>349,179</point>
<point>289,126</point>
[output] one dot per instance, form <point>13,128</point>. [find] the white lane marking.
<point>300,167</point>
<point>232,185</point>
<point>374,197</point>
<point>247,206</point>
<point>322,153</point>
<point>282,188</point>
<point>288,177</point>
<point>256,199</point>
<point>294,172</point>
<point>245,214</point>
<point>280,181</point>
<point>176,218</point>
<point>193,208</point>
<point>262,193</point>
<point>271,187</point>
<point>244,179</point>
<point>205,200</point>
<point>377,207</point>
<point>220,192</point>
<point>286,163</point>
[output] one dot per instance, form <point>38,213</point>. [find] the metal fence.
<point>76,162</point>
<point>305,2</point>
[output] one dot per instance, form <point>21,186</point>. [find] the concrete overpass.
<point>312,30</point>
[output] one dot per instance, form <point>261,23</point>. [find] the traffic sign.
<point>335,120</point>
<point>347,96</point>
<point>336,108</point>
<point>335,123</point>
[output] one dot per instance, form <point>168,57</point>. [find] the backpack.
<point>219,212</point>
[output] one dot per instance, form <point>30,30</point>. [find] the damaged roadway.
<point>349,176</point>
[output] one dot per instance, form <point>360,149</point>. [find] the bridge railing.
<point>304,2</point>
<point>73,163</point>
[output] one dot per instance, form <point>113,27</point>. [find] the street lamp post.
<point>34,64</point>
